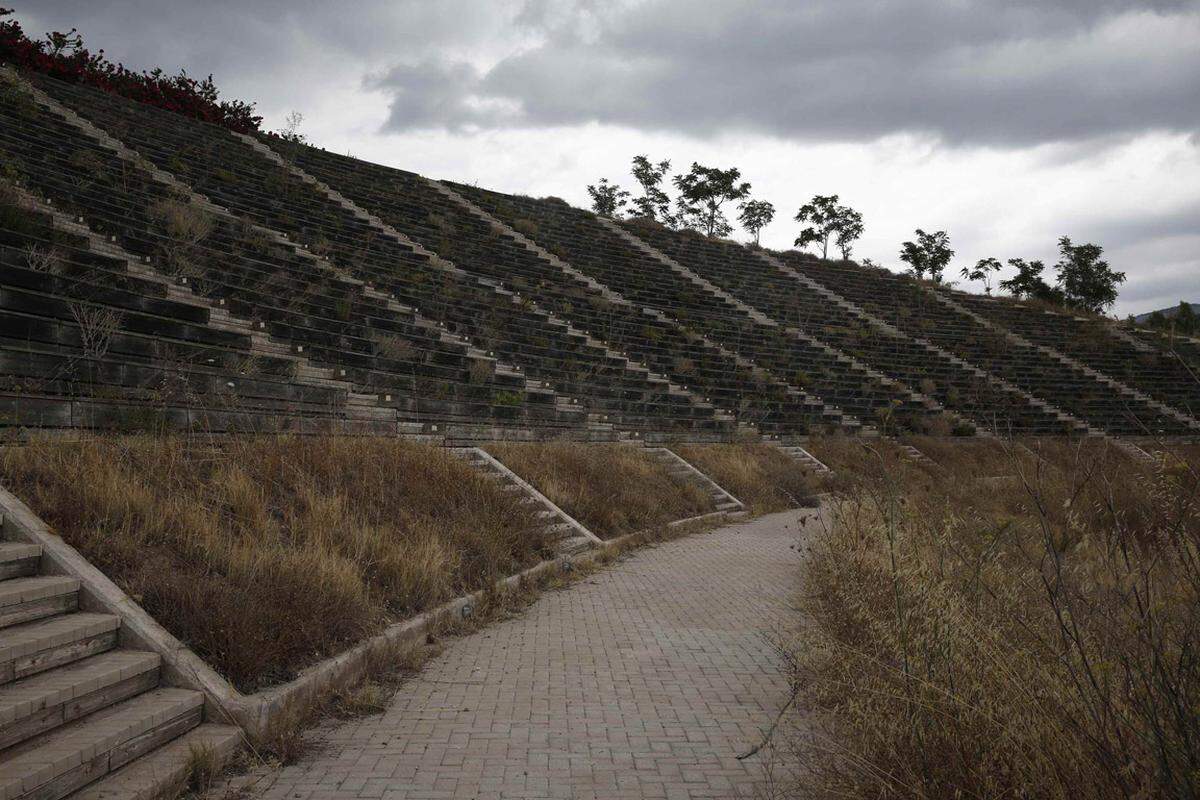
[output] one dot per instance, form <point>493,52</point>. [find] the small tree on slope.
<point>1087,282</point>
<point>607,198</point>
<point>1028,283</point>
<point>654,203</point>
<point>849,227</point>
<point>822,215</point>
<point>982,271</point>
<point>702,192</point>
<point>756,215</point>
<point>929,255</point>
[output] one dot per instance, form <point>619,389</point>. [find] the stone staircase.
<point>365,409</point>
<point>681,470</point>
<point>681,392</point>
<point>1116,386</point>
<point>81,716</point>
<point>849,363</point>
<point>914,455</point>
<point>805,458</point>
<point>1078,426</point>
<point>574,537</point>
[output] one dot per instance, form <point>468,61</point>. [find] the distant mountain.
<point>1166,312</point>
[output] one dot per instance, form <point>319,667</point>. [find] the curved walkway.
<point>645,680</point>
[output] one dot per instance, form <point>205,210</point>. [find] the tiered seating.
<point>1183,348</point>
<point>1090,342</point>
<point>84,343</point>
<point>410,204</point>
<point>578,238</point>
<point>914,309</point>
<point>403,361</point>
<point>747,276</point>
<point>233,174</point>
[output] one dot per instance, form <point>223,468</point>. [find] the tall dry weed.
<point>764,478</point>
<point>1021,621</point>
<point>612,489</point>
<point>266,554</point>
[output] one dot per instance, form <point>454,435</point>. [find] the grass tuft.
<point>1018,621</point>
<point>764,478</point>
<point>268,554</point>
<point>611,489</point>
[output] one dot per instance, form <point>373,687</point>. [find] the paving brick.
<point>644,680</point>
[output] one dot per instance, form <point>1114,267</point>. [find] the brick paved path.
<point>644,680</point>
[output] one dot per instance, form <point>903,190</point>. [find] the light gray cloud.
<point>539,95</point>
<point>975,72</point>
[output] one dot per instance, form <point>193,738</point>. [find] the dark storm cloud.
<point>265,48</point>
<point>975,72</point>
<point>993,72</point>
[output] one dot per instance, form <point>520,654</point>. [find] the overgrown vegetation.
<point>1019,620</point>
<point>268,554</point>
<point>611,489</point>
<point>63,56</point>
<point>1181,320</point>
<point>764,478</point>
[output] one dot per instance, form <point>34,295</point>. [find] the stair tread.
<point>18,551</point>
<point>53,687</point>
<point>33,637</point>
<point>22,590</point>
<point>43,758</point>
<point>145,777</point>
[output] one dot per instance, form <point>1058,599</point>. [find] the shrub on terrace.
<point>63,56</point>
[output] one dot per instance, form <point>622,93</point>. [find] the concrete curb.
<point>255,714</point>
<point>181,666</point>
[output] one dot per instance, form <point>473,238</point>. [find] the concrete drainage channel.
<point>99,701</point>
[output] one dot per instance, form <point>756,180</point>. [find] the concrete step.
<point>27,599</point>
<point>18,559</point>
<point>37,646</point>
<point>156,773</point>
<point>45,701</point>
<point>54,764</point>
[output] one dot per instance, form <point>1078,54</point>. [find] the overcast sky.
<point>1007,123</point>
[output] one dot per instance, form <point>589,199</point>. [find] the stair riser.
<point>50,718</point>
<point>101,764</point>
<point>161,773</point>
<point>156,737</point>
<point>37,609</point>
<point>57,656</point>
<point>20,568</point>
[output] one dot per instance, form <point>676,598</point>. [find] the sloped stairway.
<point>572,536</point>
<point>81,716</point>
<point>682,471</point>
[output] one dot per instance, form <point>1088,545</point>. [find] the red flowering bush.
<point>63,56</point>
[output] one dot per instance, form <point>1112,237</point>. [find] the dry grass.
<point>1021,621</point>
<point>762,477</point>
<point>268,554</point>
<point>611,489</point>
